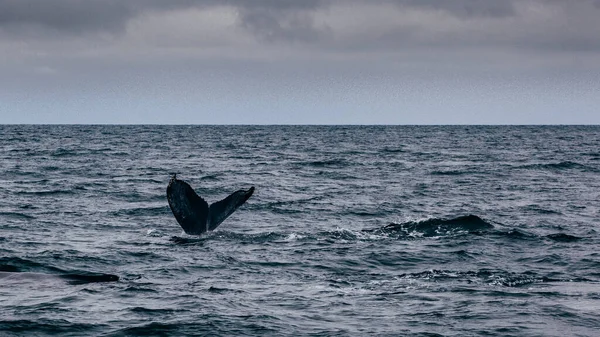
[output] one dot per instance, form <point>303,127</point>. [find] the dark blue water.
<point>391,230</point>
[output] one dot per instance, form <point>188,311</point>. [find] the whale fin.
<point>190,210</point>
<point>193,213</point>
<point>220,210</point>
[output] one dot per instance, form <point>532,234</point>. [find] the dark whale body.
<point>71,278</point>
<point>194,214</point>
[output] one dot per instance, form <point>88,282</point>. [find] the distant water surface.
<point>352,231</point>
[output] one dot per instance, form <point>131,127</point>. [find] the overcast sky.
<point>300,61</point>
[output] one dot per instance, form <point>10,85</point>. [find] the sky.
<point>300,61</point>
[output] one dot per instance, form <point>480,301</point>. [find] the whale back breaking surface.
<point>194,214</point>
<point>70,278</point>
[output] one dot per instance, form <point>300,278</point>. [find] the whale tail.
<point>194,214</point>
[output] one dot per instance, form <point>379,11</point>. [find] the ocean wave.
<point>142,211</point>
<point>230,236</point>
<point>451,173</point>
<point>438,227</point>
<point>330,163</point>
<point>48,192</point>
<point>287,206</point>
<point>28,269</point>
<point>316,247</point>
<point>514,234</point>
<point>393,150</point>
<point>61,152</point>
<point>212,177</point>
<point>539,209</point>
<point>563,237</point>
<point>17,264</point>
<point>16,215</point>
<point>44,326</point>
<point>333,236</point>
<point>489,276</point>
<point>560,166</point>
<point>165,329</point>
<point>430,228</point>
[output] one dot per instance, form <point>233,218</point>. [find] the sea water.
<point>352,231</point>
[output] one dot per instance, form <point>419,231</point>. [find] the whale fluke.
<point>193,213</point>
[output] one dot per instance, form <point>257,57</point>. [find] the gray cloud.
<point>36,17</point>
<point>311,28</point>
<point>269,19</point>
<point>76,16</point>
<point>294,21</point>
<point>64,16</point>
<point>274,26</point>
<point>463,8</point>
<point>165,57</point>
<point>527,25</point>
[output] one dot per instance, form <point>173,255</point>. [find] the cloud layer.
<point>361,25</point>
<point>306,46</point>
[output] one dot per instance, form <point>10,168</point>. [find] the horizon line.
<point>277,124</point>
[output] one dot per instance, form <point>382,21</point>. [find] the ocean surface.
<point>352,231</point>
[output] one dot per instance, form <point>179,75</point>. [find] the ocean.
<point>351,231</point>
